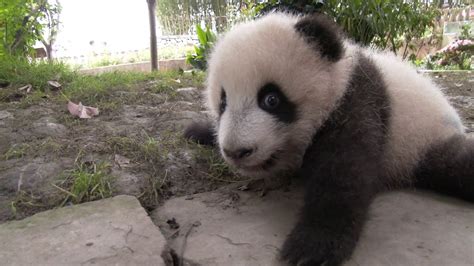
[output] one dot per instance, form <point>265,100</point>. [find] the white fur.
<point>421,116</point>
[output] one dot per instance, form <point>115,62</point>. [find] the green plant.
<point>19,71</point>
<point>198,59</point>
<point>16,151</point>
<point>87,182</point>
<point>23,22</point>
<point>26,203</point>
<point>466,32</point>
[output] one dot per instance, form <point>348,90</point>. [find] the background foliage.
<point>23,22</point>
<point>207,38</point>
<point>180,16</point>
<point>386,24</point>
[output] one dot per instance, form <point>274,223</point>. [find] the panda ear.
<point>323,34</point>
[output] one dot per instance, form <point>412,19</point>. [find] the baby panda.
<point>289,94</point>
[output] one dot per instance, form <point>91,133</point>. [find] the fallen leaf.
<point>458,84</point>
<point>26,88</point>
<point>82,111</point>
<point>54,84</point>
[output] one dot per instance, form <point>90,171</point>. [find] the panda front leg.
<point>337,199</point>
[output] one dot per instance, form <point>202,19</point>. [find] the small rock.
<point>127,182</point>
<point>189,94</point>
<point>5,115</point>
<point>34,175</point>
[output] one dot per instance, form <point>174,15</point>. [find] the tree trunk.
<point>153,44</point>
<point>49,52</point>
<point>49,49</point>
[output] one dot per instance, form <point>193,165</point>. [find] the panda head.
<point>271,84</point>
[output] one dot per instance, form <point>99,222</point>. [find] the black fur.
<point>202,133</point>
<point>285,111</point>
<point>449,168</point>
<point>322,34</point>
<point>223,103</point>
<point>342,168</point>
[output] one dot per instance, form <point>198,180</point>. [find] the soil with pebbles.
<point>40,144</point>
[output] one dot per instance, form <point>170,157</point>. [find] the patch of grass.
<point>96,90</point>
<point>16,151</point>
<point>150,155</point>
<point>151,191</point>
<point>48,146</point>
<point>87,182</point>
<point>19,72</point>
<point>35,148</point>
<point>26,203</point>
<point>145,147</point>
<point>100,90</point>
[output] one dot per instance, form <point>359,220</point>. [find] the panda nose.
<point>238,153</point>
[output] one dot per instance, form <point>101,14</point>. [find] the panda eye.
<point>270,101</point>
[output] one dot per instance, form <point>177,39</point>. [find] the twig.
<point>65,191</point>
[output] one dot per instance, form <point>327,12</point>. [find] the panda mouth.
<point>265,165</point>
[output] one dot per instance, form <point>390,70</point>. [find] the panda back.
<point>421,115</point>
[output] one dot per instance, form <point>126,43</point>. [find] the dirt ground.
<point>138,143</point>
<point>459,87</point>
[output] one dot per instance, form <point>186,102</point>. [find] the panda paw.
<point>202,133</point>
<point>307,248</point>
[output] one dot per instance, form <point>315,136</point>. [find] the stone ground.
<point>232,227</point>
<point>139,141</point>
<point>115,231</point>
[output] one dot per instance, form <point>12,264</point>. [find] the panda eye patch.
<point>272,100</point>
<point>223,103</point>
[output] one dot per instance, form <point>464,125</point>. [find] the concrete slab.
<point>241,228</point>
<point>115,231</point>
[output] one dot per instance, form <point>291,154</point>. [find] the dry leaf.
<point>26,88</point>
<point>82,111</point>
<point>54,84</point>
